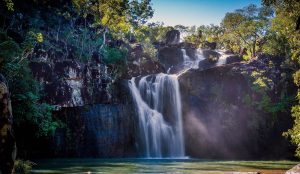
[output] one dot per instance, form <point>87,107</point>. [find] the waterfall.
<point>223,58</point>
<point>190,63</point>
<point>158,103</point>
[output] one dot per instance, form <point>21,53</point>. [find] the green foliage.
<point>210,33</point>
<point>25,91</point>
<point>284,23</point>
<point>23,167</point>
<point>261,86</point>
<point>246,28</point>
<point>150,33</point>
<point>115,16</point>
<point>276,44</point>
<point>9,5</point>
<point>114,55</point>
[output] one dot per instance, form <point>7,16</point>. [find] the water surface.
<point>158,166</point>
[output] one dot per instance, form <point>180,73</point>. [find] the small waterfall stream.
<point>157,99</point>
<point>190,63</point>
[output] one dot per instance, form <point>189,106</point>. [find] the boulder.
<point>294,170</point>
<point>233,59</point>
<point>206,63</point>
<point>145,66</point>
<point>7,140</point>
<point>170,57</point>
<point>210,45</point>
<point>229,51</point>
<point>211,55</point>
<point>172,37</point>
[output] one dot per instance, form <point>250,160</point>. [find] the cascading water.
<point>191,63</point>
<point>158,103</point>
<point>223,58</point>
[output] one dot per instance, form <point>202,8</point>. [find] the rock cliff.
<point>228,110</point>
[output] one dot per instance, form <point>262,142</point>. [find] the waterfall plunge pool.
<point>157,166</point>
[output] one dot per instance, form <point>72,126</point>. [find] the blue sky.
<point>195,12</point>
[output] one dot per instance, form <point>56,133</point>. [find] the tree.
<point>116,16</point>
<point>286,23</point>
<point>246,27</point>
<point>210,33</point>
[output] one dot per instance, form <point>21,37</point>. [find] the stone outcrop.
<point>294,170</point>
<point>221,115</point>
<point>140,64</point>
<point>170,57</point>
<point>7,140</point>
<point>172,37</point>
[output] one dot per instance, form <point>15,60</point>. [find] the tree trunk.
<point>254,48</point>
<point>104,37</point>
<point>7,140</point>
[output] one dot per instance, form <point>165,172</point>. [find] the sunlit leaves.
<point>9,5</point>
<point>284,23</point>
<point>245,27</point>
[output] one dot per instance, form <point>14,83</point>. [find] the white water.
<point>158,103</point>
<point>190,63</point>
<point>157,99</point>
<point>194,64</point>
<point>223,58</point>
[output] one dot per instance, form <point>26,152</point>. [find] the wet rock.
<point>294,170</point>
<point>206,64</point>
<point>172,37</point>
<point>7,140</point>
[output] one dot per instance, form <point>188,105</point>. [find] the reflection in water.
<point>170,166</point>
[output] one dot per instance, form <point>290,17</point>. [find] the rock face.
<point>294,170</point>
<point>100,130</point>
<point>96,111</point>
<point>221,119</point>
<point>7,140</point>
<point>172,37</point>
<point>69,83</point>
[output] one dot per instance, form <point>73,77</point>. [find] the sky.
<point>195,12</point>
